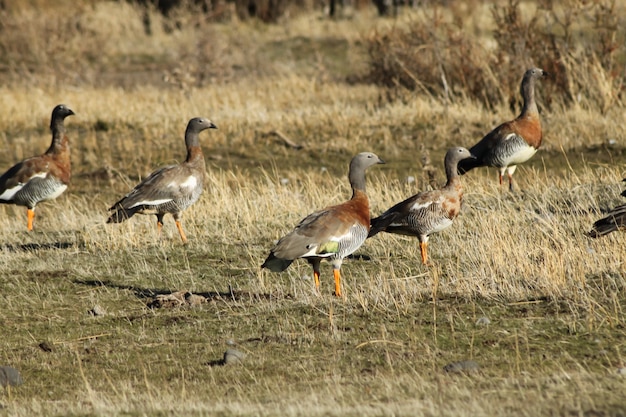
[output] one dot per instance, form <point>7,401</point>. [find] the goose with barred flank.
<point>613,221</point>
<point>427,212</point>
<point>331,233</point>
<point>170,189</point>
<point>513,142</point>
<point>43,177</point>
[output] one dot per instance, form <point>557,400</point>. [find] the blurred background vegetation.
<point>449,49</point>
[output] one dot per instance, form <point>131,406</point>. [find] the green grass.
<point>554,298</point>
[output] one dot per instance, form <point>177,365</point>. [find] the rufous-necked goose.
<point>170,189</point>
<point>614,220</point>
<point>331,233</point>
<point>429,211</point>
<point>513,142</point>
<point>43,177</point>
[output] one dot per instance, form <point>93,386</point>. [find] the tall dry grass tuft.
<point>507,246</point>
<point>577,44</point>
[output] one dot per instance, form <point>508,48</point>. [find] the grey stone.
<point>233,356</point>
<point>483,321</point>
<point>461,367</point>
<point>97,310</point>
<point>10,376</point>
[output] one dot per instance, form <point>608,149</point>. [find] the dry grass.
<point>554,297</point>
<point>576,43</point>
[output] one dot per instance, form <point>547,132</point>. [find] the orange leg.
<point>31,217</point>
<point>510,181</point>
<point>315,263</point>
<point>337,275</point>
<point>159,227</point>
<point>423,251</point>
<point>181,231</point>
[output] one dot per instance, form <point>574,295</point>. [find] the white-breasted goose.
<point>331,233</point>
<point>427,212</point>
<point>42,177</point>
<point>613,221</point>
<point>513,142</point>
<point>170,189</point>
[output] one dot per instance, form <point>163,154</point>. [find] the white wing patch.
<point>312,249</point>
<point>151,202</point>
<point>39,175</point>
<point>423,205</point>
<point>10,192</point>
<point>190,182</point>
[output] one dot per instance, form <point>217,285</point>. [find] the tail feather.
<point>374,228</point>
<point>614,221</point>
<point>275,264</point>
<point>379,224</point>
<point>120,214</point>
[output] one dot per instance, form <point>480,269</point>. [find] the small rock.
<point>483,321</point>
<point>410,179</point>
<point>621,371</point>
<point>10,376</point>
<point>97,310</point>
<point>284,181</point>
<point>461,367</point>
<point>233,356</point>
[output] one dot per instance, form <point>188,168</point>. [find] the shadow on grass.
<point>215,362</point>
<point>150,293</point>
<point>29,247</point>
<point>359,257</point>
<point>138,291</point>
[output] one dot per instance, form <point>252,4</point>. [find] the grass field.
<point>515,285</point>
